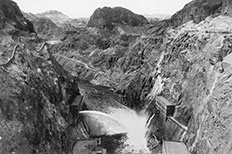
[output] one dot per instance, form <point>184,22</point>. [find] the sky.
<point>84,8</point>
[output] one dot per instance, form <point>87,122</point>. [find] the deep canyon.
<point>135,84</point>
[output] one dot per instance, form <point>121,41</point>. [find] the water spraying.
<point>136,129</point>
<point>121,121</point>
<point>100,123</point>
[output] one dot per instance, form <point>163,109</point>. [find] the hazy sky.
<point>84,8</point>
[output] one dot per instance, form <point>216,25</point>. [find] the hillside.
<point>11,15</point>
<point>197,11</point>
<point>108,17</point>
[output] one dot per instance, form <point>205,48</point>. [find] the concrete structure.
<point>77,101</point>
<point>90,146</point>
<point>99,123</point>
<point>228,59</point>
<point>152,142</point>
<point>171,147</point>
<point>173,129</point>
<point>165,106</point>
<point>75,107</point>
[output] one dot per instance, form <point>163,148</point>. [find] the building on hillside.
<point>172,147</point>
<point>75,107</point>
<point>165,106</point>
<point>171,127</point>
<point>89,146</point>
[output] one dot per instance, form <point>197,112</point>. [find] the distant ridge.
<point>56,16</point>
<point>158,16</point>
<point>108,17</point>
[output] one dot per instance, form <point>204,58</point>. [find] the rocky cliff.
<point>10,15</point>
<point>196,11</point>
<point>36,92</point>
<point>191,80</point>
<point>35,97</point>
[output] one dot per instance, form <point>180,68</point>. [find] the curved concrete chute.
<point>100,123</point>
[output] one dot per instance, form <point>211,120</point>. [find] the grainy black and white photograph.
<point>115,77</point>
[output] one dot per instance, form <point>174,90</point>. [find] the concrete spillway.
<point>120,121</point>
<point>100,123</point>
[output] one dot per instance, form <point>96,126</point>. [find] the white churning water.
<point>136,129</point>
<point>133,123</point>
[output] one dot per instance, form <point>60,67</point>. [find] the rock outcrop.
<point>109,17</point>
<point>36,94</point>
<point>10,14</point>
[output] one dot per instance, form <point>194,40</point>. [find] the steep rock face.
<point>36,94</point>
<point>11,14</point>
<point>187,76</point>
<point>197,11</point>
<point>108,17</point>
<point>120,62</point>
